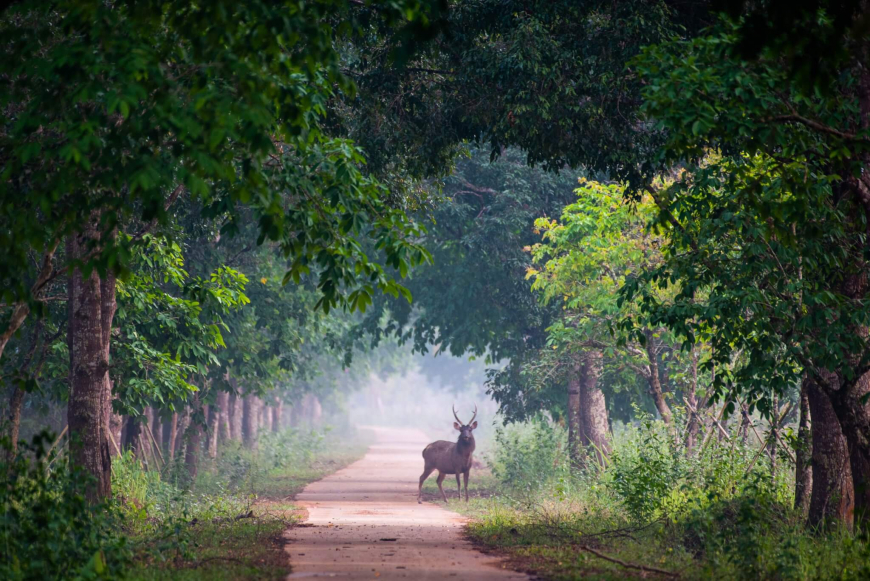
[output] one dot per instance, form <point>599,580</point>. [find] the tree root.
<point>601,555</point>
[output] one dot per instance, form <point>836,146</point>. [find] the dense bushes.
<point>718,512</point>
<point>47,529</point>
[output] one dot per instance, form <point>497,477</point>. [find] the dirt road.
<point>364,523</point>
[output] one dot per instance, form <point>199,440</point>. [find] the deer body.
<point>450,458</point>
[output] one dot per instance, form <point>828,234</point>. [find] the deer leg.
<point>440,480</point>
<point>458,487</point>
<point>465,479</point>
<point>426,472</point>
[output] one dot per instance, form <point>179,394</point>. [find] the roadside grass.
<point>231,525</point>
<point>481,486</point>
<point>650,512</point>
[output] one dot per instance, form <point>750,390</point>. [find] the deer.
<point>450,458</point>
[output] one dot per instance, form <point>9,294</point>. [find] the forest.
<point>249,247</point>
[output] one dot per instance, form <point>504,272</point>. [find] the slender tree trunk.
<point>692,398</point>
<point>181,432</point>
<point>16,402</point>
<point>774,438</point>
<point>90,391</point>
<point>213,423</point>
<point>803,481</point>
<point>251,423</point>
<point>833,498</point>
<point>236,417</point>
<point>157,430</point>
<point>173,435</point>
<point>223,404</point>
<point>193,442</point>
<point>577,441</point>
<point>593,407</point>
<point>22,308</point>
<point>144,445</point>
<point>116,425</point>
<point>267,417</point>
<point>655,383</point>
<point>277,415</point>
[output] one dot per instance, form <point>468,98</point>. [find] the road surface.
<point>364,523</point>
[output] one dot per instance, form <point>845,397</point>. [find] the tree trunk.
<point>223,404</point>
<point>577,441</point>
<point>277,415</point>
<point>833,497</point>
<point>251,421</point>
<point>157,430</point>
<point>593,408</point>
<point>265,417</point>
<point>173,435</point>
<point>214,416</point>
<point>90,320</point>
<point>116,425</point>
<point>803,481</point>
<point>16,402</point>
<point>774,438</point>
<point>854,417</point>
<point>236,417</point>
<point>692,398</point>
<point>144,449</point>
<point>181,431</point>
<point>193,441</point>
<point>655,383</point>
<point>22,308</point>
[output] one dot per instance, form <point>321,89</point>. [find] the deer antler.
<point>474,416</point>
<point>457,417</point>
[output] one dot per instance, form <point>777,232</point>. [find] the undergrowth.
<point>227,526</point>
<point>652,510</point>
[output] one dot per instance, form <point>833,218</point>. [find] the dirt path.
<point>364,523</point>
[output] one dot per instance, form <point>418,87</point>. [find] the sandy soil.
<point>364,522</point>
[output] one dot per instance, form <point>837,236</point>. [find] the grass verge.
<point>231,525</point>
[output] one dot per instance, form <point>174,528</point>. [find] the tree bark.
<point>577,440</point>
<point>774,438</point>
<point>181,432</point>
<point>803,481</point>
<point>833,497</point>
<point>277,415</point>
<point>193,441</point>
<point>251,421</point>
<point>16,402</point>
<point>654,380</point>
<point>173,435</point>
<point>90,314</point>
<point>692,398</point>
<point>157,430</point>
<point>593,407</point>
<point>854,417</point>
<point>223,404</point>
<point>213,421</point>
<point>236,417</point>
<point>265,417</point>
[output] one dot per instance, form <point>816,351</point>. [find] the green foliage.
<point>48,530</point>
<point>710,515</point>
<point>528,460</point>
<point>766,215</point>
<point>242,471</point>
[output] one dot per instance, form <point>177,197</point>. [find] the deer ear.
<point>474,425</point>
<point>457,426</point>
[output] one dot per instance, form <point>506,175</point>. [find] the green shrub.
<point>48,530</point>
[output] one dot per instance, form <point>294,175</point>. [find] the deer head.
<point>465,430</point>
